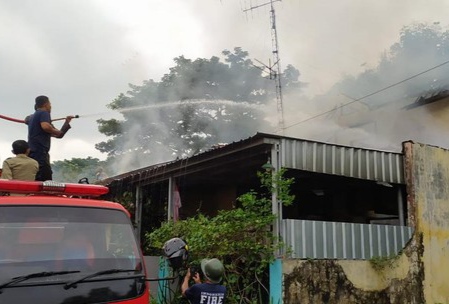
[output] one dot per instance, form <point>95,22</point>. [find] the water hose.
<point>12,119</point>
<point>24,120</point>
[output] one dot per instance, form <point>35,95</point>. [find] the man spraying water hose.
<point>27,119</point>
<point>40,131</point>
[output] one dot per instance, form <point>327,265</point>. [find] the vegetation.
<point>379,263</point>
<point>77,168</point>
<point>186,112</point>
<point>240,237</point>
<point>420,47</point>
<point>199,103</point>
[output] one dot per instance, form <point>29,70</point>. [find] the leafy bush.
<point>240,237</point>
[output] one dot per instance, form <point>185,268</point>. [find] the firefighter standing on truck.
<point>40,131</point>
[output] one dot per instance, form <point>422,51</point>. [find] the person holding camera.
<point>210,291</point>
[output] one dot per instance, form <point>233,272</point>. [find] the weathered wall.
<point>419,275</point>
<point>428,173</point>
<point>422,123</point>
<point>395,281</point>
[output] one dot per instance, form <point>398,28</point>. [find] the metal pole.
<point>138,216</point>
<point>276,205</point>
<point>278,72</point>
<point>170,199</point>
<point>401,208</point>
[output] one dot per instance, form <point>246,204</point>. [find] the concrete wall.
<point>395,280</point>
<point>152,269</point>
<point>427,169</point>
<point>419,274</point>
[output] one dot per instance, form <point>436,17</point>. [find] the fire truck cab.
<point>57,247</point>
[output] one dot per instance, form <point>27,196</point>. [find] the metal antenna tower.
<point>275,69</point>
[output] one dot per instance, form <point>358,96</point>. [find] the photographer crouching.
<point>210,291</point>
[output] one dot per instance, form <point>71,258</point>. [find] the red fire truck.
<point>56,246</point>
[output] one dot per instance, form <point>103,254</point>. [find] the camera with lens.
<point>194,269</point>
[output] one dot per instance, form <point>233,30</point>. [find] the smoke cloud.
<point>84,54</point>
<point>384,106</point>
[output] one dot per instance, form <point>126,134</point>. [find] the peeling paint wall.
<point>429,180</point>
<point>420,274</point>
<point>395,281</point>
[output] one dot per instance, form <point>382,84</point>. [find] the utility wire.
<point>368,95</point>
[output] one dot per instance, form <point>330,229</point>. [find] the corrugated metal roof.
<point>215,156</point>
<point>342,160</point>
<point>295,153</point>
<point>429,97</point>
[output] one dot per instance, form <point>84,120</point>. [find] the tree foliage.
<point>420,47</point>
<point>240,237</point>
<point>199,103</point>
<point>76,168</point>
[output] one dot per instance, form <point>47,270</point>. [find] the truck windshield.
<point>76,240</point>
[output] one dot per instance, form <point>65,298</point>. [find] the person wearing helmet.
<point>210,291</point>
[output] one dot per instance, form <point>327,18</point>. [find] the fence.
<point>336,240</point>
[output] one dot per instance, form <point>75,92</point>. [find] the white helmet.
<point>176,251</point>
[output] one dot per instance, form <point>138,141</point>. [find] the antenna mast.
<point>275,70</point>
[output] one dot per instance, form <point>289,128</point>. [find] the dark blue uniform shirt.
<point>206,293</point>
<point>38,139</point>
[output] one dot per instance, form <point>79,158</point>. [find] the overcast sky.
<point>83,53</point>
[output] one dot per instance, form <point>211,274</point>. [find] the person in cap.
<point>40,131</point>
<point>21,166</point>
<point>210,291</point>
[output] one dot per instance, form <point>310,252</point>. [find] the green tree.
<point>76,168</point>
<point>420,47</point>
<point>290,79</point>
<point>197,104</point>
<point>240,237</point>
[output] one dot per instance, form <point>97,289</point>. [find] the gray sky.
<point>83,53</point>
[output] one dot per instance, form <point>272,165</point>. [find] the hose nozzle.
<point>62,118</point>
